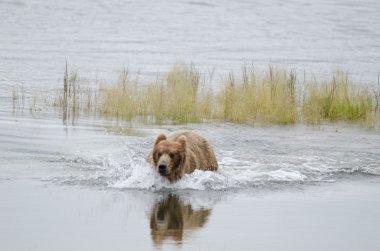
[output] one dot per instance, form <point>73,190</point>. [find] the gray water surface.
<point>100,37</point>
<point>341,216</point>
<point>87,186</point>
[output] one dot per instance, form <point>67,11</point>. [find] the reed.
<point>120,100</point>
<point>75,97</point>
<point>337,100</point>
<point>18,98</point>
<point>270,98</point>
<point>182,96</point>
<point>179,98</point>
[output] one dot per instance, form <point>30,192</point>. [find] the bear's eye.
<point>171,155</point>
<point>176,159</point>
<point>156,155</point>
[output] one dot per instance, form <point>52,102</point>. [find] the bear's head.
<point>169,156</point>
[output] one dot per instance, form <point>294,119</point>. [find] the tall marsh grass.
<point>269,98</point>
<point>338,100</point>
<point>274,96</point>
<point>179,98</point>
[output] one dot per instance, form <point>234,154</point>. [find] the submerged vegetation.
<point>182,96</point>
<point>74,98</point>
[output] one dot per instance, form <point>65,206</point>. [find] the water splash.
<point>131,171</point>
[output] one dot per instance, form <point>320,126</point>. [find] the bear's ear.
<point>182,140</point>
<point>160,138</point>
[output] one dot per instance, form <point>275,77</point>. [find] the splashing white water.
<point>131,171</point>
<point>144,177</point>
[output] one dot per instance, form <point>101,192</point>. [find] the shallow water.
<point>92,153</point>
<point>87,186</point>
<point>335,216</point>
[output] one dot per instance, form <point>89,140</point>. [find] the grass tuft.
<point>176,99</point>
<point>75,98</point>
<point>338,100</point>
<point>271,97</point>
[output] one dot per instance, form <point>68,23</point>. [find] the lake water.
<point>87,186</point>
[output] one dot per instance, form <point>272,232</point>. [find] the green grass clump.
<point>267,99</point>
<point>123,99</point>
<point>272,97</point>
<point>338,100</point>
<point>179,98</point>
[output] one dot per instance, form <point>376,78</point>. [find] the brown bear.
<point>180,153</point>
<point>171,218</point>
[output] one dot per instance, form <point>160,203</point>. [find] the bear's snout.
<point>162,168</point>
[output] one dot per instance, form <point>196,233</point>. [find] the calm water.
<point>100,37</point>
<point>88,186</point>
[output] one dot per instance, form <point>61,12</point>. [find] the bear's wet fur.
<point>180,153</point>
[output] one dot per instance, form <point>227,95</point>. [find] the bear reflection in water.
<point>170,218</point>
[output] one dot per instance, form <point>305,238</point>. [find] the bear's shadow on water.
<point>171,218</point>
